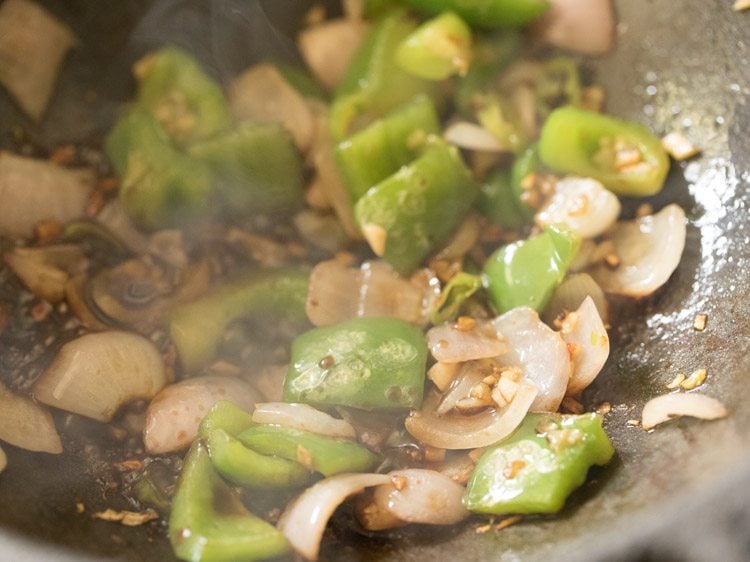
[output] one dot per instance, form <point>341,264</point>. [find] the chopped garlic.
<point>699,322</point>
<point>678,146</point>
<point>696,378</point>
<point>677,381</point>
<point>740,5</point>
<point>376,237</point>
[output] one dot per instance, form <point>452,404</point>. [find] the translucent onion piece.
<point>469,432</point>
<point>117,221</point>
<point>583,204</point>
<point>471,136</point>
<point>3,460</point>
<point>36,190</point>
<point>94,375</point>
<point>458,466</point>
<point>305,519</point>
<point>649,250</point>
<point>422,496</point>
<point>26,424</point>
<point>669,406</point>
<point>584,332</point>
<point>304,417</point>
<point>454,343</point>
<point>33,44</point>
<point>540,352</point>
<point>328,48</point>
<point>571,293</point>
<point>583,26</point>
<point>173,416</point>
<point>45,270</point>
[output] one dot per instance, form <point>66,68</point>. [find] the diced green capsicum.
<point>623,155</point>
<point>364,363</point>
<point>526,273</point>
<point>208,522</point>
<point>537,468</point>
<point>559,84</point>
<point>301,80</point>
<point>437,49</point>
<point>326,455</point>
<point>525,164</point>
<point>498,201</point>
<point>487,14</point>
<point>185,101</point>
<point>409,214</point>
<point>257,167</point>
<point>198,327</point>
<point>374,153</point>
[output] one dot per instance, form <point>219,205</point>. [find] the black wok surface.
<point>677,493</point>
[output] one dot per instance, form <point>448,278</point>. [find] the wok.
<point>678,493</point>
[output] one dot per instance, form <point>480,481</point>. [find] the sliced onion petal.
<point>584,26</point>
<point>328,48</point>
<point>3,460</point>
<point>669,406</point>
<point>26,424</point>
<point>304,417</point>
<point>471,136</point>
<point>454,343</point>
<point>571,293</point>
<point>305,519</point>
<point>95,374</point>
<point>584,331</point>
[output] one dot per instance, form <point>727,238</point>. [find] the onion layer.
<point>46,270</point>
<point>571,293</point>
<point>584,26</point>
<point>328,48</point>
<point>3,460</point>
<point>669,406</point>
<point>583,331</point>
<point>457,342</point>
<point>473,137</point>
<point>304,417</point>
<point>26,424</point>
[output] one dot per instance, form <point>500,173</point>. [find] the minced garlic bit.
<point>399,482</point>
<point>513,468</point>
<point>677,381</point>
<point>465,324</point>
<point>612,260</point>
<point>442,374</point>
<point>508,522</point>
<point>304,457</point>
<point>562,438</point>
<point>376,237</point>
<point>696,378</point>
<point>644,210</point>
<point>433,454</point>
<point>127,518</point>
<point>700,320</point>
<point>678,146</point>
<point>604,408</point>
<point>572,405</point>
<point>740,5</point>
<point>633,423</point>
<point>80,507</point>
<point>593,98</point>
<point>483,528</point>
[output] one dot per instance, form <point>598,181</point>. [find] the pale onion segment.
<point>45,270</point>
<point>3,460</point>
<point>173,416</point>
<point>583,204</point>
<point>304,417</point>
<point>540,352</point>
<point>648,249</point>
<point>454,431</point>
<point>583,26</point>
<point>471,136</point>
<point>304,520</point>
<point>329,47</point>
<point>26,424</point>
<point>457,342</point>
<point>669,406</point>
<point>588,343</point>
<point>115,219</point>
<point>96,374</point>
<point>571,293</point>
<point>417,495</point>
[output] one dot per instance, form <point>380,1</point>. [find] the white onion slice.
<point>471,136</point>
<point>3,460</point>
<point>669,406</point>
<point>26,424</point>
<point>571,293</point>
<point>649,250</point>
<point>305,519</point>
<point>46,269</point>
<point>422,496</point>
<point>304,417</point>
<point>329,47</point>
<point>454,343</point>
<point>469,432</point>
<point>114,217</point>
<point>173,416</point>
<point>94,375</point>
<point>583,204</point>
<point>540,352</point>
<point>583,26</point>
<point>584,332</point>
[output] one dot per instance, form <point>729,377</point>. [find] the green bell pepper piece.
<point>525,164</point>
<point>496,115</point>
<point>323,454</point>
<point>208,522</point>
<point>301,80</point>
<point>226,416</point>
<point>498,201</point>
<point>257,166</point>
<point>526,273</point>
<point>374,153</point>
<point>414,211</point>
<point>586,144</point>
<point>364,363</point>
<point>537,468</point>
<point>559,84</point>
<point>486,14</point>
<point>458,290</point>
<point>186,102</point>
<point>197,327</point>
<point>437,49</point>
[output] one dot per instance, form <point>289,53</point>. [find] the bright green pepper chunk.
<point>527,272</point>
<point>301,80</point>
<point>497,116</point>
<point>498,201</point>
<point>623,155</point>
<point>414,211</point>
<point>208,522</point>
<point>458,290</point>
<point>364,363</point>
<point>257,166</point>
<point>537,468</point>
<point>186,102</point>
<point>379,150</point>
<point>437,49</point>
<point>226,416</point>
<point>198,327</point>
<point>525,164</point>
<point>326,455</point>
<point>559,84</point>
<point>487,14</point>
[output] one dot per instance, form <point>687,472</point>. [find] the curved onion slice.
<point>328,48</point>
<point>173,416</point>
<point>26,424</point>
<point>305,519</point>
<point>571,293</point>
<point>583,331</point>
<point>471,136</point>
<point>649,250</point>
<point>469,432</point>
<point>94,375</point>
<point>3,460</point>
<point>584,26</point>
<point>457,342</point>
<point>669,406</point>
<point>422,496</point>
<point>583,204</point>
<point>304,417</point>
<point>540,352</point>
